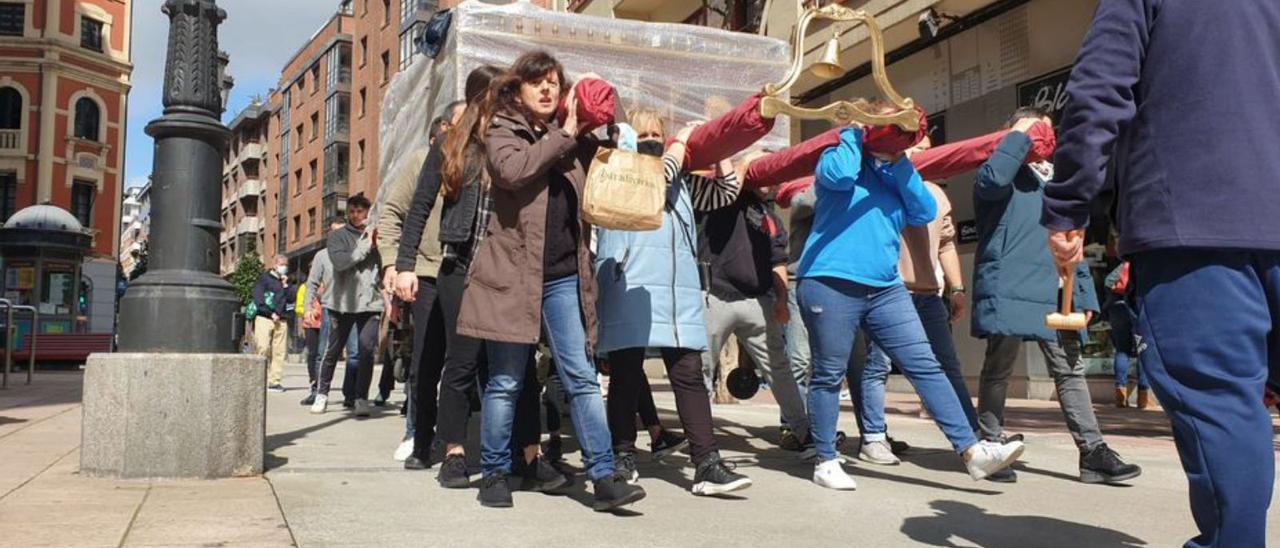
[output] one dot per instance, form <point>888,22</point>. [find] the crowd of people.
<point>516,303</point>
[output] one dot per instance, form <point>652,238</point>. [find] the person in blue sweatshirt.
<point>1190,127</point>
<point>849,280</point>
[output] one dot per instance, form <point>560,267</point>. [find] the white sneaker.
<point>988,457</point>
<point>363,409</point>
<point>404,450</point>
<point>830,474</point>
<point>878,452</point>
<point>321,403</point>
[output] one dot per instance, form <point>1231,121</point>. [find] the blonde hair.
<point>643,118</point>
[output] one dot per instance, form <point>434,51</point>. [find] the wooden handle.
<point>1068,287</point>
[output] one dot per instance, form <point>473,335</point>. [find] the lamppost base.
<point>180,311</point>
<point>173,416</point>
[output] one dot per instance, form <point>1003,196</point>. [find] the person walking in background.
<point>926,250</point>
<point>1120,316</point>
<point>355,303</point>
<point>309,318</point>
<point>1191,127</point>
<point>1015,287</point>
<point>533,271</point>
<point>864,200</point>
<point>269,327</point>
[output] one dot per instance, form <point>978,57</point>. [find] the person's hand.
<point>1088,316</point>
<point>959,302</point>
<point>275,317</point>
<point>1024,125</point>
<point>1067,248</point>
<point>389,281</point>
<point>407,286</point>
<point>571,117</point>
<point>781,313</point>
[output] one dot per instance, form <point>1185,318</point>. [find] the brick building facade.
<point>64,81</point>
<point>244,187</point>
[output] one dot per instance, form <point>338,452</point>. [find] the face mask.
<point>649,148</point>
<point>282,270</point>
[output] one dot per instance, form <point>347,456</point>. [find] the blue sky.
<point>260,36</point>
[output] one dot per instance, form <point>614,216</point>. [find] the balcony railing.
<point>249,225</point>
<point>251,188</point>
<point>252,151</point>
<point>10,139</point>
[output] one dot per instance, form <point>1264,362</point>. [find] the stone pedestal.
<point>173,415</point>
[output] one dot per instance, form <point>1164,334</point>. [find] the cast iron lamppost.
<point>181,304</point>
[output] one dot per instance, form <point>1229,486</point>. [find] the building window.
<point>87,119</point>
<point>12,19</point>
<point>314,171</point>
<point>91,34</point>
<point>297,227</point>
<point>364,99</point>
<point>360,154</point>
<point>10,109</point>
<point>408,46</point>
<point>8,194</point>
<point>282,235</point>
<point>315,123</point>
<point>298,137</point>
<point>336,118</point>
<point>364,51</point>
<point>386,12</point>
<point>82,193</point>
<point>364,7</point>
<point>311,222</point>
<point>386,66</point>
<point>297,182</point>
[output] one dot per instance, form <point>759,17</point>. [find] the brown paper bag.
<point>624,191</point>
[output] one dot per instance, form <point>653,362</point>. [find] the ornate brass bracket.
<point>840,112</point>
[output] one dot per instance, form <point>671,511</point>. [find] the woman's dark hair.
<point>530,67</point>
<point>462,143</point>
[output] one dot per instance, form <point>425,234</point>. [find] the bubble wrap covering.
<point>686,72</point>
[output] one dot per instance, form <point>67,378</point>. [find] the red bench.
<point>62,347</point>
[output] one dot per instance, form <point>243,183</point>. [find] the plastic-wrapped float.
<point>685,72</point>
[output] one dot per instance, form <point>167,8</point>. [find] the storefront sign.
<point>1048,92</point>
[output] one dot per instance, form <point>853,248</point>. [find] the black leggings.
<point>429,348</point>
<point>463,359</point>
<point>693,404</point>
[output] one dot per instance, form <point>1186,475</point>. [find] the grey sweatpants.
<point>751,321</point>
<point>1067,370</point>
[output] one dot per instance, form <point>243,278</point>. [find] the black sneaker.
<point>614,491</point>
<point>666,444</point>
<point>348,404</point>
<point>1102,465</point>
<point>625,462</point>
<point>494,492</point>
<point>541,477</point>
<point>417,462</point>
<point>553,451</point>
<point>716,477</point>
<point>1006,475</point>
<point>453,472</point>
<point>380,401</point>
<point>788,440</point>
<point>310,399</point>
<point>898,447</point>
<point>1006,438</point>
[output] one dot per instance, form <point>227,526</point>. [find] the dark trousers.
<point>1208,339</point>
<point>463,360</point>
<point>429,348</point>
<point>387,381</point>
<point>312,339</point>
<point>693,403</point>
<point>647,409</point>
<point>340,326</point>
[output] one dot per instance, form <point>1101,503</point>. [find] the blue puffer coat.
<point>650,293</point>
<point>1014,279</point>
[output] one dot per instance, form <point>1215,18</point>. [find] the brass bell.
<point>828,66</point>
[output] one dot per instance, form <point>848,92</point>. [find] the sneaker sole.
<point>853,487</point>
<point>605,506</point>
<point>500,504</point>
<point>659,455</point>
<point>550,486</point>
<point>1089,476</point>
<point>454,483</point>
<point>707,488</point>
<point>880,462</point>
<point>317,411</point>
<point>808,454</point>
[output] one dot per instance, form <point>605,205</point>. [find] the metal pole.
<point>35,328</point>
<point>178,305</point>
<point>8,343</point>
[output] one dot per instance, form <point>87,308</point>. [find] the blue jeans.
<point>1207,321</point>
<point>834,310</point>
<point>937,326</point>
<point>1122,372</point>
<point>562,322</point>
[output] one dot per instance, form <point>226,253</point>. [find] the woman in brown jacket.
<point>533,273</point>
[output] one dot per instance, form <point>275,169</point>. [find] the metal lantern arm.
<point>840,112</point>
